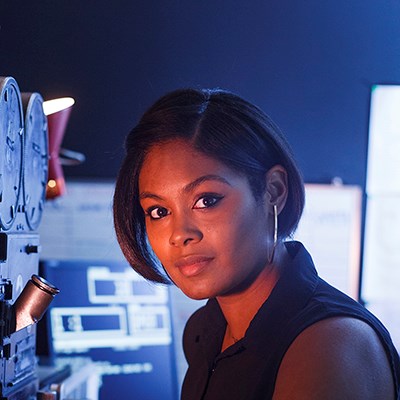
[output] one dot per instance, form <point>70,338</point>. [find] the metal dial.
<point>11,147</point>
<point>35,158</point>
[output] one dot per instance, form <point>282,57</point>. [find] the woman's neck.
<point>240,308</point>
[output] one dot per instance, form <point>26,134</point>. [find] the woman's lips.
<point>192,265</point>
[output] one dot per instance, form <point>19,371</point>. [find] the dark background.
<point>309,64</point>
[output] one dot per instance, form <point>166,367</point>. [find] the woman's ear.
<point>276,187</point>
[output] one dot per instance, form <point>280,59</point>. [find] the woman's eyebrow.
<point>188,188</point>
<point>192,185</point>
<point>148,195</point>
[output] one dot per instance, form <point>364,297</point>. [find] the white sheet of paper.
<point>331,230</point>
<point>79,225</point>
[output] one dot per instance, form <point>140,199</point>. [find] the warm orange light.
<point>52,183</point>
<point>55,188</point>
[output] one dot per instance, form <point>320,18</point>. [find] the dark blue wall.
<point>309,64</point>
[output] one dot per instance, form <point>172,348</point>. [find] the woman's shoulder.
<point>335,358</point>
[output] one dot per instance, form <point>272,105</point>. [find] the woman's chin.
<point>197,293</point>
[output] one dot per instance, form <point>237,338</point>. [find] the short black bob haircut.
<point>219,124</point>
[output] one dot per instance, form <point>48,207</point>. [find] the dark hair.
<point>219,124</point>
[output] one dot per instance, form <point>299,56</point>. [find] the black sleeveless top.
<point>248,369</point>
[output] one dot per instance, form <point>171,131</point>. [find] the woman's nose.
<point>184,231</point>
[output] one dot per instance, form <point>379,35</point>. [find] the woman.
<point>207,196</point>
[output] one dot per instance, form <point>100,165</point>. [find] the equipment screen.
<point>107,312</point>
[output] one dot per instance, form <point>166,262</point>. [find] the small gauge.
<point>11,148</point>
<point>35,158</point>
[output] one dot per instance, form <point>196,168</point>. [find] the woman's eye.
<point>207,201</point>
<point>157,212</point>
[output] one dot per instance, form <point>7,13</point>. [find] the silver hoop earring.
<point>275,234</point>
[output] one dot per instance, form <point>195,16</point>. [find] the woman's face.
<point>202,221</point>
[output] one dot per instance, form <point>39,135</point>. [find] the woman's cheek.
<point>159,244</point>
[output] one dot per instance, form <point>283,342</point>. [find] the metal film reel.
<point>35,158</point>
<point>11,148</point>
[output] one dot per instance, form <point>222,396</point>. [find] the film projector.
<point>24,296</point>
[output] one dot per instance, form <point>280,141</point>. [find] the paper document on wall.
<point>79,225</point>
<point>331,231</point>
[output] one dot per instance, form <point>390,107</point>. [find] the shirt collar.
<point>293,290</point>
